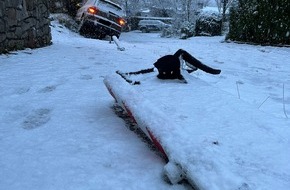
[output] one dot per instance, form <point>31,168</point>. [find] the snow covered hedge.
<point>263,22</point>
<point>208,24</point>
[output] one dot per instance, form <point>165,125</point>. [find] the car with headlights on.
<point>100,18</point>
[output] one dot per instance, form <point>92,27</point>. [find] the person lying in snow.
<point>168,66</point>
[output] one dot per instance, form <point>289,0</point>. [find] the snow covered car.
<point>152,25</point>
<point>100,18</point>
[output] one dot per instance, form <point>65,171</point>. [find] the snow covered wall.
<point>218,141</point>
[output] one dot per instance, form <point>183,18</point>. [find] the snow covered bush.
<point>180,29</point>
<point>187,30</point>
<point>263,22</point>
<point>208,24</point>
<point>168,32</point>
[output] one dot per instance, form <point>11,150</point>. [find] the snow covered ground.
<point>57,127</point>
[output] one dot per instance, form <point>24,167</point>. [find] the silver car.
<point>152,25</point>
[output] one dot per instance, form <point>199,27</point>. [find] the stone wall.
<point>24,24</point>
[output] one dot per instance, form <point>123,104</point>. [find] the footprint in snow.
<point>86,77</point>
<point>47,89</point>
<point>22,90</point>
<point>37,118</point>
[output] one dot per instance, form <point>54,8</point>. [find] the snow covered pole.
<point>117,42</point>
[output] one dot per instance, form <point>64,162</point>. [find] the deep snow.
<point>58,130</point>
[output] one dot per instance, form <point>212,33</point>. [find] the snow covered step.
<point>213,139</point>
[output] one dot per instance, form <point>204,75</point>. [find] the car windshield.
<point>109,6</point>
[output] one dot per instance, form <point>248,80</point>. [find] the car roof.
<point>150,21</point>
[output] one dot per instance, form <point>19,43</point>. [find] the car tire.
<point>82,28</point>
<point>86,30</point>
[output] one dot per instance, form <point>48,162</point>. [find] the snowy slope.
<point>57,128</point>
